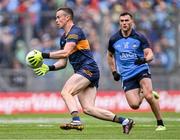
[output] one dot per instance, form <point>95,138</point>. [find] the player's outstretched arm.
<point>59,54</point>
<point>68,49</point>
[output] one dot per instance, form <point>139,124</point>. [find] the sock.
<point>125,122</point>
<point>160,122</point>
<point>75,116</point>
<point>119,119</point>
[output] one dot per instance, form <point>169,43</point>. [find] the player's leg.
<point>132,92</point>
<point>87,101</point>
<point>146,85</point>
<point>73,86</point>
<point>134,98</point>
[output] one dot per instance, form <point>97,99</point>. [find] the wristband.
<point>45,55</point>
<point>52,68</point>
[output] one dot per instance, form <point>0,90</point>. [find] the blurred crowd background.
<point>30,24</point>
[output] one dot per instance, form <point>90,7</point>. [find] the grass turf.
<point>46,126</point>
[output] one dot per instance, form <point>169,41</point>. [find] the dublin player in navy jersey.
<point>84,81</point>
<point>128,56</point>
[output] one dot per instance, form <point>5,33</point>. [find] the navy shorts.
<point>91,72</point>
<point>133,82</point>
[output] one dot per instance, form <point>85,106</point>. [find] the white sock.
<point>125,122</point>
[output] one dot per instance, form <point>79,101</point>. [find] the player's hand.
<point>116,75</point>
<point>140,61</point>
<point>41,71</point>
<point>37,56</point>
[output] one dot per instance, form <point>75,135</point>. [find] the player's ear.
<point>133,24</point>
<point>68,17</point>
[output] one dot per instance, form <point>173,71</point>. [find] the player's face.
<point>61,19</point>
<point>126,23</point>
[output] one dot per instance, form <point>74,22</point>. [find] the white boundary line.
<point>64,120</point>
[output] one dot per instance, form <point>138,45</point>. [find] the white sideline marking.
<point>34,120</point>
<point>45,125</point>
<point>43,121</point>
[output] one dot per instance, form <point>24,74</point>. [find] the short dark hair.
<point>126,13</point>
<point>67,10</point>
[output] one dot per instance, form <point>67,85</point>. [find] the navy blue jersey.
<point>126,50</point>
<point>81,58</point>
<point>81,55</point>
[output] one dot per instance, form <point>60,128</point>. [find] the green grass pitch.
<point>46,126</point>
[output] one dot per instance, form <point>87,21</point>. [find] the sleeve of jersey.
<point>145,42</point>
<point>110,46</point>
<point>73,36</point>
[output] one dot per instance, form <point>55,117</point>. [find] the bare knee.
<point>148,93</point>
<point>149,97</point>
<point>134,106</point>
<point>65,94</point>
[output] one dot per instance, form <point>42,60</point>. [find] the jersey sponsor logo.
<point>126,55</point>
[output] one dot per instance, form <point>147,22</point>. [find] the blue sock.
<point>121,119</point>
<point>76,118</point>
